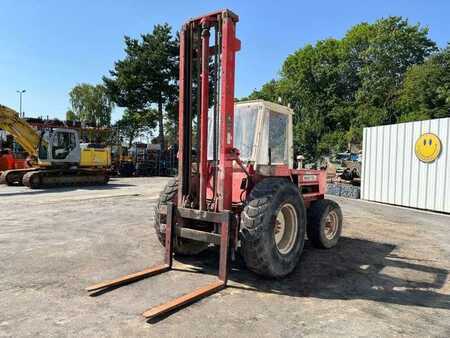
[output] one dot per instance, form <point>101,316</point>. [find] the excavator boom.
<point>22,132</point>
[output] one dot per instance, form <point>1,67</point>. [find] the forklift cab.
<point>58,147</point>
<point>262,133</point>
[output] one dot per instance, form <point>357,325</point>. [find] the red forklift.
<point>237,187</point>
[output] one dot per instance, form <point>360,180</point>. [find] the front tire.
<point>273,225</point>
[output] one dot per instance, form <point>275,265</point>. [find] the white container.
<point>396,168</point>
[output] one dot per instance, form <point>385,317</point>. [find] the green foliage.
<point>134,124</point>
<point>337,87</point>
<point>71,116</point>
<point>332,142</point>
<point>413,116</point>
<point>269,92</point>
<point>147,76</point>
<point>425,92</point>
<point>90,104</point>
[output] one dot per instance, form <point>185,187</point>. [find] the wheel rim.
<point>331,225</point>
<point>286,228</point>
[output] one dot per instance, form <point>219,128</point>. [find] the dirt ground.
<point>388,276</point>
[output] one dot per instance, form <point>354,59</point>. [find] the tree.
<point>270,91</point>
<point>393,46</point>
<point>425,92</point>
<point>70,115</point>
<point>171,123</point>
<point>134,124</point>
<point>148,75</point>
<point>312,82</point>
<point>90,104</point>
<point>337,87</point>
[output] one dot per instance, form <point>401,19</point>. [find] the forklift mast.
<point>208,45</point>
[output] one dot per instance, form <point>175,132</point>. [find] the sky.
<point>49,46</point>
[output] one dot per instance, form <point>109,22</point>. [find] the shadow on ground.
<point>106,187</point>
<point>354,269</point>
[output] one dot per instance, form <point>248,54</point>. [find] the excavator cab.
<point>59,147</point>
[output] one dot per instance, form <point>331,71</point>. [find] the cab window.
<point>278,138</point>
<point>63,144</point>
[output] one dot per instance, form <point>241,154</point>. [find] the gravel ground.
<point>388,276</point>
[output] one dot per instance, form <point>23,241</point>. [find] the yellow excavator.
<point>56,156</point>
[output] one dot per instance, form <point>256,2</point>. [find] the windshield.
<point>63,144</point>
<point>244,129</point>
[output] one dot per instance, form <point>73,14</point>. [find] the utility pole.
<point>20,99</point>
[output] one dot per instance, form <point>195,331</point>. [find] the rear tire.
<point>324,223</point>
<point>181,246</point>
<point>274,205</point>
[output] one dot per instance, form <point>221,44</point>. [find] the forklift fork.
<point>222,218</point>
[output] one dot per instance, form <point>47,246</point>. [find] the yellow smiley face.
<point>428,147</point>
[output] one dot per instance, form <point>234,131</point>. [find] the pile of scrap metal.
<point>122,163</point>
<point>351,176</point>
<point>344,168</point>
<point>343,174</point>
<point>143,159</point>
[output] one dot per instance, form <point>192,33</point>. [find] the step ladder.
<point>223,219</point>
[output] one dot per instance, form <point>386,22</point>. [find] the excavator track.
<point>14,176</point>
<point>50,178</point>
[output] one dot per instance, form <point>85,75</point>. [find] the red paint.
<point>230,46</point>
<point>20,164</point>
<point>9,162</point>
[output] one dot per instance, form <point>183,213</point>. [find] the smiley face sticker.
<point>428,147</point>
